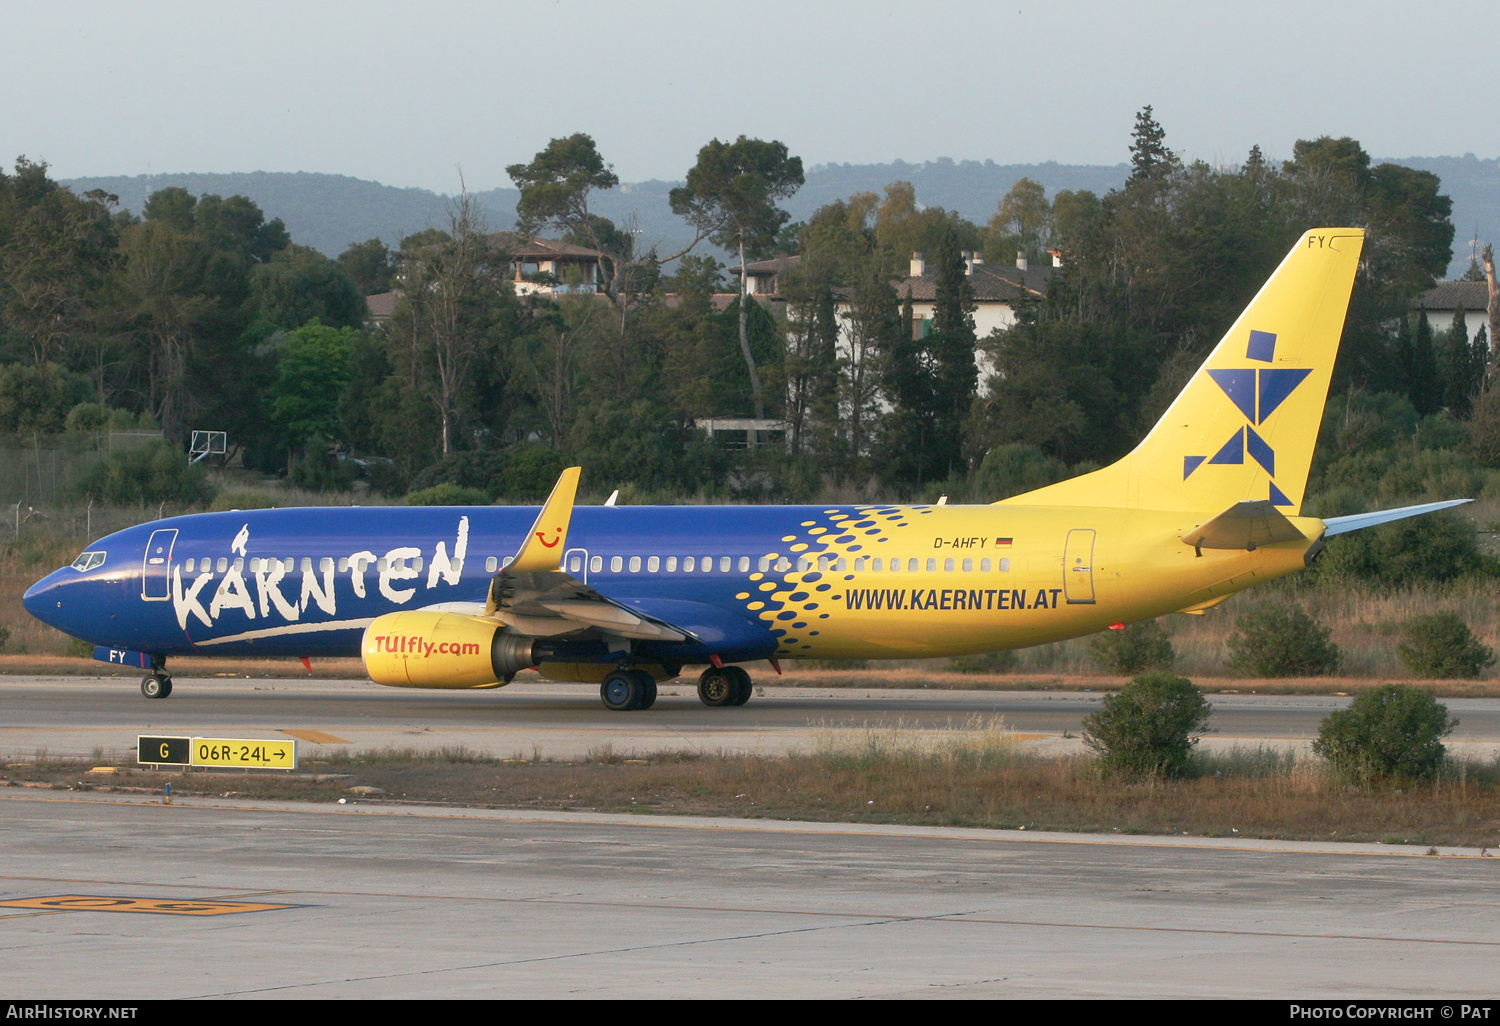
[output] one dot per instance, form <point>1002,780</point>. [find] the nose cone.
<point>44,599</point>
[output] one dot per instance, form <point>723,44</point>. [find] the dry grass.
<point>975,778</point>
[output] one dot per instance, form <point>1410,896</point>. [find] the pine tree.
<point>1150,160</point>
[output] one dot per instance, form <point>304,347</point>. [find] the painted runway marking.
<point>152,906</point>
<point>315,736</point>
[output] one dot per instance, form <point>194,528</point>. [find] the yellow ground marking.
<point>317,737</point>
<point>155,906</point>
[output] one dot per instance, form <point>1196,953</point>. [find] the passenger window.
<point>764,564</point>
<point>804,564</point>
<point>635,564</point>
<point>306,564</point>
<point>671,564</point>
<point>723,564</point>
<point>575,564</point>
<point>491,564</point>
<point>325,565</point>
<point>380,564</point>
<point>948,565</point>
<point>223,564</point>
<point>931,565</point>
<point>783,564</point>
<point>841,564</point>
<point>879,564</point>
<point>596,563</point>
<point>653,564</point>
<point>507,562</point>
<point>744,564</point>
<point>418,564</point>
<point>859,563</point>
<point>984,565</point>
<point>189,567</point>
<point>968,565</point>
<point>688,563</point>
<point>343,564</point>
<point>255,564</point>
<point>707,565</point>
<point>615,564</point>
<point>1005,565</point>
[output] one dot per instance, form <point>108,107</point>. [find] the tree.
<point>312,371</point>
<point>370,265</point>
<point>730,197</point>
<point>1021,225</point>
<point>442,321</point>
<point>952,346</point>
<point>555,189</point>
<point>1150,160</point>
<point>1425,383</point>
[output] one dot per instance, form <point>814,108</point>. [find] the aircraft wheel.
<point>742,684</point>
<point>156,686</point>
<point>648,689</point>
<point>622,690</point>
<point>717,687</point>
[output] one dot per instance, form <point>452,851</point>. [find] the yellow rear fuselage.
<point>998,577</point>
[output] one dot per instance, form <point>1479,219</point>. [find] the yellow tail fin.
<point>1245,426</point>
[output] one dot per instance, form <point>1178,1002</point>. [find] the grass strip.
<point>971,779</point>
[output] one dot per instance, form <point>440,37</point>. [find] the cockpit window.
<point>88,561</point>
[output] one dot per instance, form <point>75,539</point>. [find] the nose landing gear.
<point>723,686</point>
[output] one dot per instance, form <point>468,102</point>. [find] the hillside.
<point>328,212</point>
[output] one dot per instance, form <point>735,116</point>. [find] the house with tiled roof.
<point>549,266</point>
<point>1446,298</point>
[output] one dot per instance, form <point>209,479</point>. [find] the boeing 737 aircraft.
<point>464,597</point>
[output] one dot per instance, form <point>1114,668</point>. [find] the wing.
<point>532,595</point>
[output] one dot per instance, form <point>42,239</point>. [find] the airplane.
<point>1208,504</point>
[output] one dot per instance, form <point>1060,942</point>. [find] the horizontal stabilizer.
<point>1343,525</point>
<point>1245,525</point>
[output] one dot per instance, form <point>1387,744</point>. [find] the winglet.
<point>547,540</point>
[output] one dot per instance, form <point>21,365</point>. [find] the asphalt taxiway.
<point>108,898</point>
<point>76,717</point>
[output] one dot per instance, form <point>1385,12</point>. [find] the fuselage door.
<point>576,564</point>
<point>1078,567</point>
<point>156,571</point>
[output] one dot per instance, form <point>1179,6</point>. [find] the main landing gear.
<point>626,690</point>
<point>724,685</point>
<point>156,684</point>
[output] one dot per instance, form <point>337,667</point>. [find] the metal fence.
<point>38,471</point>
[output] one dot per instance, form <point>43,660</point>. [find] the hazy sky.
<point>407,93</point>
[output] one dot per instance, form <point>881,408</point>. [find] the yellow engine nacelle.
<point>421,649</point>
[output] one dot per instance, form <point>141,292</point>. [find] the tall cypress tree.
<point>1425,385</point>
<point>951,344</point>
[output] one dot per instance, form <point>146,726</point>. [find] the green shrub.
<point>1278,640</point>
<point>446,494</point>
<point>1394,731</point>
<point>531,473</point>
<point>987,662</point>
<point>1441,645</point>
<point>1138,646</point>
<point>1437,547</point>
<point>478,470</point>
<point>323,471</point>
<point>146,475</point>
<point>1150,727</point>
<point>244,498</point>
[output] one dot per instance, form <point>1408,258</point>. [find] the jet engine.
<point>421,649</point>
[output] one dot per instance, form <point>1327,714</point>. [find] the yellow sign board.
<point>238,753</point>
<point>242,753</point>
<point>157,906</point>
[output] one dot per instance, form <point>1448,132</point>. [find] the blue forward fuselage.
<point>305,582</point>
